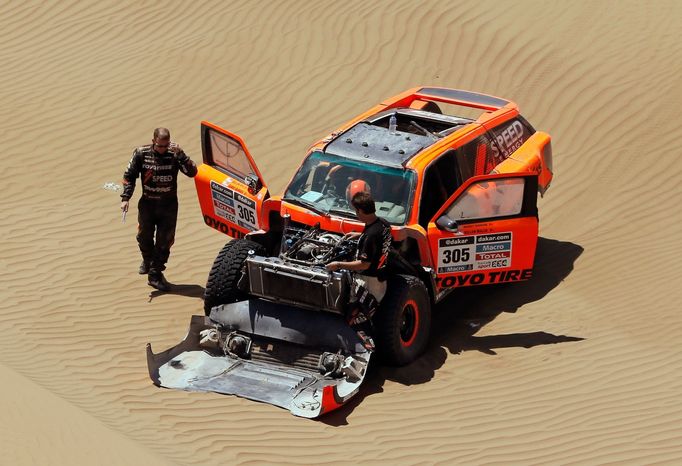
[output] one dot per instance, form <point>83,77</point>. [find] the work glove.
<point>176,150</point>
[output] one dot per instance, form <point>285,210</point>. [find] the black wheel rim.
<point>408,323</point>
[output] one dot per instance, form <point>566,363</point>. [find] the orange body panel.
<point>493,250</point>
<point>518,257</point>
<point>207,174</point>
<point>528,158</point>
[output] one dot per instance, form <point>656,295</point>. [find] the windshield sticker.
<point>465,253</point>
<point>234,207</point>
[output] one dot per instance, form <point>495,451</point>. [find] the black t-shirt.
<point>373,247</point>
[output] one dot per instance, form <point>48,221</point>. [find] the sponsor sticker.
<point>444,242</point>
<point>508,140</point>
<point>493,238</point>
<point>477,278</point>
<point>485,256</point>
<point>234,207</point>
<point>471,253</point>
<point>216,188</point>
<point>244,200</point>
<point>221,205</point>
<point>223,198</point>
<point>493,247</point>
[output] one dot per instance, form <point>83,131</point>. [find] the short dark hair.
<point>162,134</point>
<point>364,201</point>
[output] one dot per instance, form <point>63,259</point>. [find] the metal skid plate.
<point>278,369</point>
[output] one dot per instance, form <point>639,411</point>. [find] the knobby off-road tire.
<point>403,321</point>
<point>221,286</point>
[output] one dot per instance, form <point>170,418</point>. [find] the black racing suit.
<point>158,206</point>
<point>373,247</point>
<point>369,286</point>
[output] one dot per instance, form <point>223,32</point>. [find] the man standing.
<point>157,164</point>
<point>369,281</point>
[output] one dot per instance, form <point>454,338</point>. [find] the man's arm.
<point>352,235</point>
<point>187,166</point>
<point>130,177</point>
<point>355,266</point>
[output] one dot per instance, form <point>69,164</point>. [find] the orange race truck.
<point>460,194</point>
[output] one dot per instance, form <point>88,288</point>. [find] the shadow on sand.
<point>191,291</point>
<point>464,312</point>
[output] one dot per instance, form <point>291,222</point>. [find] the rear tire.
<point>221,286</point>
<point>403,321</point>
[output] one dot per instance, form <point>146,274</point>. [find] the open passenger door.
<point>486,232</point>
<point>230,187</point>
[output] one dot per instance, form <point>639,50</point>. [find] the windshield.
<point>322,184</point>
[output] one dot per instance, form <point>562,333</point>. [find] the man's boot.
<point>359,322</point>
<point>144,268</point>
<point>158,281</point>
<point>366,339</point>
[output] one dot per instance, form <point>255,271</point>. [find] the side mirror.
<point>253,182</point>
<point>446,223</point>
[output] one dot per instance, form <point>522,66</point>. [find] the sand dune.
<point>580,365</point>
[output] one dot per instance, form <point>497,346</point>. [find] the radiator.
<point>311,287</point>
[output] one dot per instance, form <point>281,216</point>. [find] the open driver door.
<point>486,232</point>
<point>230,187</point>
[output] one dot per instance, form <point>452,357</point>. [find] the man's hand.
<point>332,266</point>
<point>178,153</point>
<point>353,266</point>
<point>124,206</point>
<point>175,148</point>
<point>351,235</point>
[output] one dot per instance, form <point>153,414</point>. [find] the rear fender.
<point>534,156</point>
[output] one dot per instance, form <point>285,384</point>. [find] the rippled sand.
<point>580,365</point>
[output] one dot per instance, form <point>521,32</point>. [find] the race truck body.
<point>459,193</point>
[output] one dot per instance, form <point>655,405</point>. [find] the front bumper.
<point>282,364</point>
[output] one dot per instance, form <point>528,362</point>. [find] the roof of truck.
<point>369,137</point>
<point>373,140</point>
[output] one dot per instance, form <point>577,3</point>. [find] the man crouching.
<point>369,279</point>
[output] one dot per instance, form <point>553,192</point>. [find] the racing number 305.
<point>455,255</point>
<point>246,214</point>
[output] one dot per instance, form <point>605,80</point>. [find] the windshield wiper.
<point>342,212</point>
<point>306,204</point>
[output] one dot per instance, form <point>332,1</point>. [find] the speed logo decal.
<point>464,253</point>
<point>234,207</point>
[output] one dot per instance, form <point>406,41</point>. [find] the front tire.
<point>221,286</point>
<point>403,321</point>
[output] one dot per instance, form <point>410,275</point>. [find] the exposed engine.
<point>298,276</point>
<point>315,247</point>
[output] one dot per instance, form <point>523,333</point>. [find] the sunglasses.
<point>162,146</point>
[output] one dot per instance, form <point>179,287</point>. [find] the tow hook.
<point>234,344</point>
<point>237,345</point>
<point>331,364</point>
<point>337,366</point>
